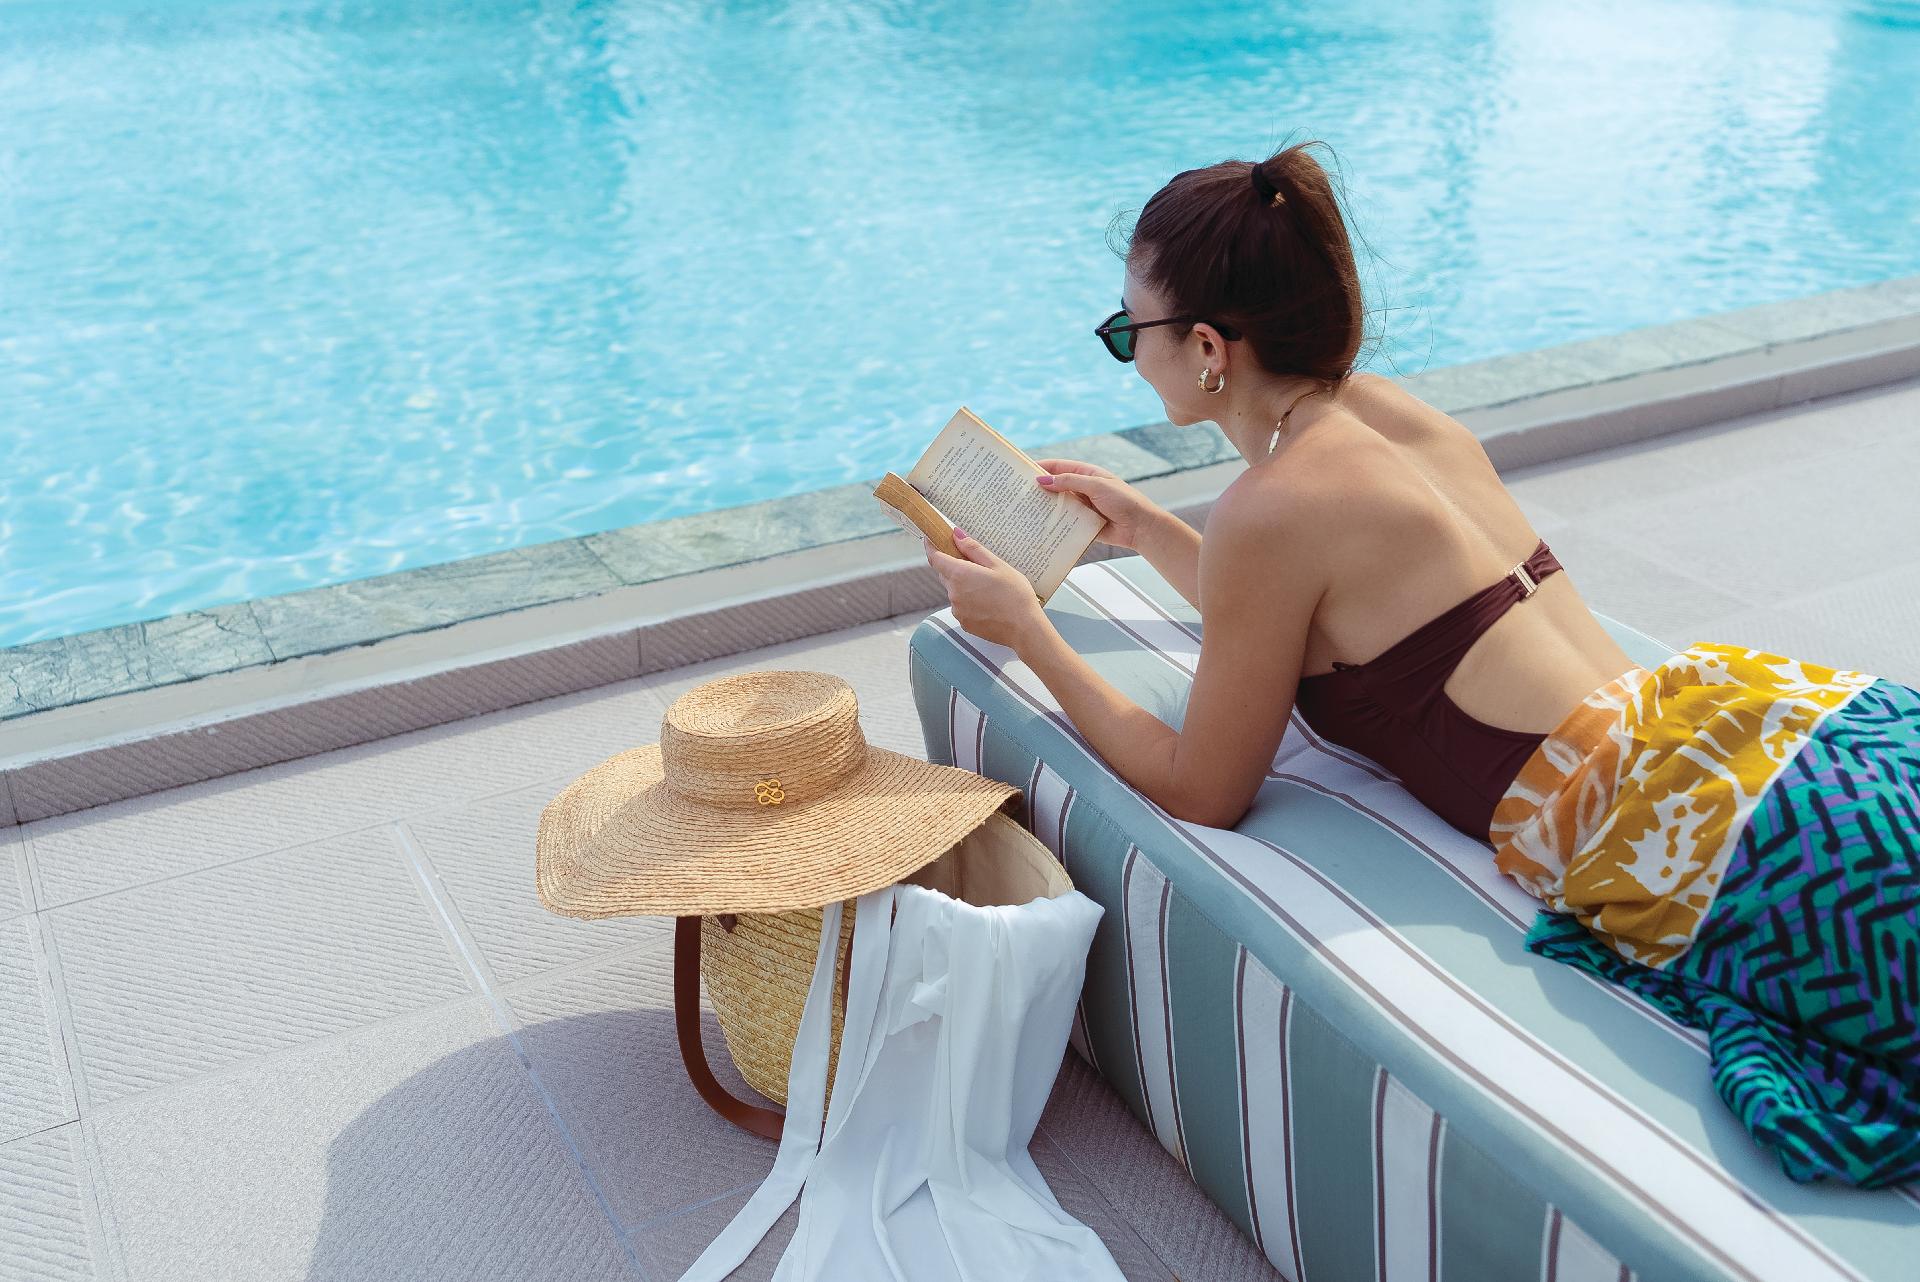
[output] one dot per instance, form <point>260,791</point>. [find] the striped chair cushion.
<point>1326,1014</point>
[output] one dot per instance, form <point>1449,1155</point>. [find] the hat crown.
<point>752,738</point>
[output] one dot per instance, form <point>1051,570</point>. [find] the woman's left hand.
<point>990,598</point>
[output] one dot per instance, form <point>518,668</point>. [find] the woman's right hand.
<point>1129,513</point>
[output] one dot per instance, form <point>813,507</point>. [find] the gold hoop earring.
<point>1203,381</point>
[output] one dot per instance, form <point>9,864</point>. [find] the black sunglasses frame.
<point>1107,331</point>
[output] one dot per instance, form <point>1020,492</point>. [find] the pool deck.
<point>310,1020</point>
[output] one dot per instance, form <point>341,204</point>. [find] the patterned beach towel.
<point>1735,836</point>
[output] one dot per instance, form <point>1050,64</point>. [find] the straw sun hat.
<point>763,795</point>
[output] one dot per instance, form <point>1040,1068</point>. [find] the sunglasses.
<point>1117,331</point>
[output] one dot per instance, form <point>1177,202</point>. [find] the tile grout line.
<point>103,1225</point>
<point>343,833</point>
<point>268,1059</point>
<point>655,1222</point>
<point>23,878</point>
<point>38,1131</point>
<point>260,625</point>
<point>568,970</point>
<point>48,957</point>
<point>30,869</point>
<point>442,807</point>
<point>482,975</point>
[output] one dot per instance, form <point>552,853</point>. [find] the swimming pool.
<point>292,294</point>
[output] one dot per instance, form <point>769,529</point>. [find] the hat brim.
<point>619,841</point>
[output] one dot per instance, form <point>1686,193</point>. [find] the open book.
<point>975,478</point>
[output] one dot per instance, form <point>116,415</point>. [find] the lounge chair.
<point>1326,1015</point>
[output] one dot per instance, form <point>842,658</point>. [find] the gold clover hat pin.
<point>762,795</point>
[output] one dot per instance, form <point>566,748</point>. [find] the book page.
<point>984,486</point>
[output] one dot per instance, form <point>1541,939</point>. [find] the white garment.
<point>957,1018</point>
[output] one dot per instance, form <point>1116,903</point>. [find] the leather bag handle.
<point>767,1122</point>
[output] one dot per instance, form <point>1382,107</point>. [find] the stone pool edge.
<point>123,711</point>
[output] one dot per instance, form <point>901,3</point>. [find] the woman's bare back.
<point>1431,525</point>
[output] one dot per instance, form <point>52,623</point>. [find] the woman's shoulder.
<point>1287,513</point>
<point>1264,496</point>
<point>1348,494</point>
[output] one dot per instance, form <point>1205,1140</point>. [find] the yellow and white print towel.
<point>1627,813</point>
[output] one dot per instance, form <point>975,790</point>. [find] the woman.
<point>1369,568</point>
<point>1363,516</point>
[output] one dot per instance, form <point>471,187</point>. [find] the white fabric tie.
<point>923,1174</point>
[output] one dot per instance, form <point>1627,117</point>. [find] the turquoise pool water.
<point>293,293</point>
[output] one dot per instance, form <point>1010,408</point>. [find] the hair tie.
<point>1264,185</point>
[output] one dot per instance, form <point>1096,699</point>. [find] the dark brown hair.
<point>1284,275</point>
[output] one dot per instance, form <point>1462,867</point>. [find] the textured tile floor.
<point>310,1021</point>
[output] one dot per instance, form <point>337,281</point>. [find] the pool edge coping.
<point>485,633</point>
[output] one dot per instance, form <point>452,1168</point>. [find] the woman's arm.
<point>1244,681</point>
<point>1172,547</point>
<point>1138,745</point>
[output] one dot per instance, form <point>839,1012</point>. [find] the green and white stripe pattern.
<point>1326,1014</point>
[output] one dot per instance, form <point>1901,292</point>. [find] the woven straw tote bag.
<point>756,966</point>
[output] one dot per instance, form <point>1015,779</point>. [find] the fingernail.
<point>959,533</point>
<point>1046,480</point>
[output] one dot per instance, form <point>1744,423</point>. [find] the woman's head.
<point>1281,277</point>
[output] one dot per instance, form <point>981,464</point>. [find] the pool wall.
<point>123,711</point>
